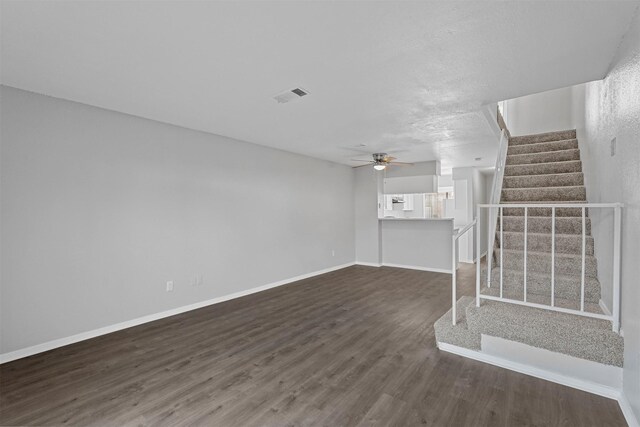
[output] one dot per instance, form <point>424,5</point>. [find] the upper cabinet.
<point>411,184</point>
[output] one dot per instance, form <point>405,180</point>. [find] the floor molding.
<point>612,393</point>
<point>368,264</point>
<point>415,267</point>
<point>627,411</point>
<point>61,342</point>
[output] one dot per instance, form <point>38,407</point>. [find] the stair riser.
<point>565,287</point>
<point>541,263</point>
<point>554,156</point>
<point>543,137</point>
<point>542,147</point>
<point>564,225</point>
<point>545,212</point>
<point>564,244</point>
<point>552,194</point>
<point>543,168</point>
<point>585,338</point>
<point>550,180</point>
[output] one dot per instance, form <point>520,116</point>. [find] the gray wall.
<point>417,243</point>
<point>612,109</point>
<point>100,209</point>
<point>367,227</point>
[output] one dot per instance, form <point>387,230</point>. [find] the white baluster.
<point>454,242</point>
<point>616,267</point>
<point>553,256</point>
<point>584,251</point>
<point>525,253</point>
<point>477,230</point>
<point>501,247</point>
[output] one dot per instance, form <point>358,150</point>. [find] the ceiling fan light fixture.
<point>379,167</point>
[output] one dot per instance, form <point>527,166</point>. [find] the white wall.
<point>480,191</point>
<point>368,184</point>
<point>612,110</point>
<point>469,191</point>
<point>542,112</point>
<point>100,209</point>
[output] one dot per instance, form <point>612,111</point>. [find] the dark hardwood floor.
<point>351,347</point>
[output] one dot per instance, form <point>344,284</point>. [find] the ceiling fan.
<point>381,161</point>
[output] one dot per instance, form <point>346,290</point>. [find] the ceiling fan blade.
<point>369,164</point>
<point>389,159</point>
<point>358,160</point>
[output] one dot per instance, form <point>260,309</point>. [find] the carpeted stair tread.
<point>545,212</point>
<point>541,242</point>
<point>458,335</point>
<point>538,283</point>
<point>578,336</point>
<point>543,137</point>
<point>542,147</point>
<point>551,167</point>
<point>542,224</point>
<point>540,262</point>
<point>547,157</point>
<point>517,294</point>
<point>570,179</point>
<point>544,194</point>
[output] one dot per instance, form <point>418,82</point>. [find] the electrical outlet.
<point>333,252</point>
<point>170,286</point>
<point>613,147</point>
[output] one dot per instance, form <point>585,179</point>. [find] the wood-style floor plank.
<point>354,347</point>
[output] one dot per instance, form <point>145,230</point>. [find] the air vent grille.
<point>299,91</point>
<point>290,95</point>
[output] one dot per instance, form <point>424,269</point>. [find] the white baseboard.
<point>61,342</point>
<point>627,411</point>
<point>612,393</point>
<point>609,392</point>
<point>415,267</point>
<point>410,267</point>
<point>368,264</point>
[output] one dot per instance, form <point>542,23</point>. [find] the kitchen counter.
<point>419,243</point>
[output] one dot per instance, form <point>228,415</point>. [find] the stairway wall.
<point>611,109</point>
<point>541,112</point>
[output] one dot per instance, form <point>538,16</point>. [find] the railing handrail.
<point>454,264</point>
<point>501,158</point>
<point>496,188</point>
<point>465,229</point>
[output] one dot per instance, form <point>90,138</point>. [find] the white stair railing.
<point>614,317</point>
<point>454,265</point>
<point>494,197</point>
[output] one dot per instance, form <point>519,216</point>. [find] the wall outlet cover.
<point>170,286</point>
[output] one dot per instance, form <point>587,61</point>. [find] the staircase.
<point>542,169</point>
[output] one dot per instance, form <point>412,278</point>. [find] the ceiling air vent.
<point>290,95</point>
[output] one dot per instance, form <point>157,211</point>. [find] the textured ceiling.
<point>393,76</point>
